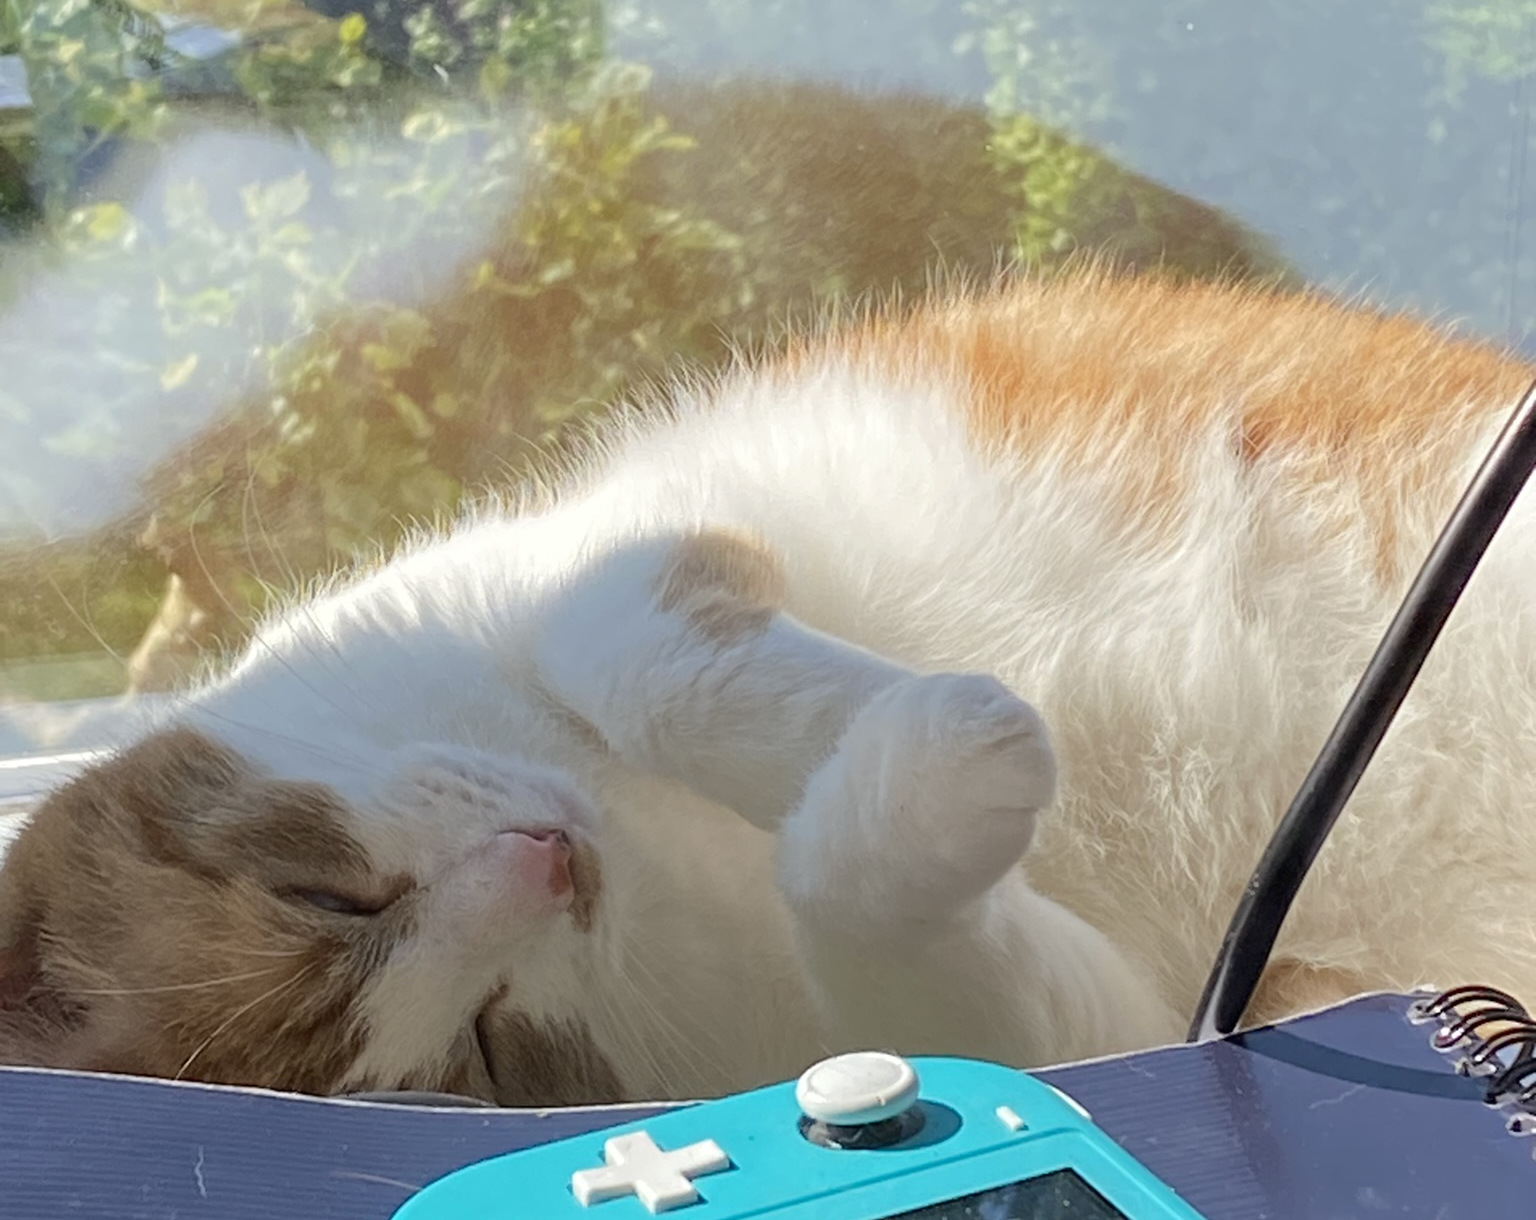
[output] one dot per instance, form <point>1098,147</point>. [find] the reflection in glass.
<point>279,280</point>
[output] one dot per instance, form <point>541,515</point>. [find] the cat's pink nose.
<point>537,859</point>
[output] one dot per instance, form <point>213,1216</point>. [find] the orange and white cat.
<point>709,761</point>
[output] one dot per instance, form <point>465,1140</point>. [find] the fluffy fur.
<point>711,761</point>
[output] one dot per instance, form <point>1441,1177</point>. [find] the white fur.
<point>1186,676</point>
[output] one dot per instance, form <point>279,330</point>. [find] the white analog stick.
<point>857,1089</point>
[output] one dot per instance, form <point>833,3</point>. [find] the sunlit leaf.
<point>177,374</point>
<point>107,221</point>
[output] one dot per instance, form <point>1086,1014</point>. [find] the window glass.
<point>278,278</point>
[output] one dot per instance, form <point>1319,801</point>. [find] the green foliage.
<point>80,57</point>
<point>1038,62</point>
<point>592,249</point>
<point>452,266</point>
<point>273,72</point>
<point>1491,39</point>
<point>72,599</point>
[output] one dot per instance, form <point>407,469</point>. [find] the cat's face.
<point>178,912</point>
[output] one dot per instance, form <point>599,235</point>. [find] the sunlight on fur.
<point>717,757</point>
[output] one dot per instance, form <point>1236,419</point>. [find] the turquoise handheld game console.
<point>858,1137</point>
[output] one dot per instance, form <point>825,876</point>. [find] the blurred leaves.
<point>482,227</point>
<point>1491,39</point>
<point>81,58</point>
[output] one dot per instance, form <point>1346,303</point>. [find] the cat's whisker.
<point>292,585</point>
<point>680,1044</point>
<point>85,621</point>
<point>273,652</point>
<point>622,1007</point>
<point>180,700</point>
<point>330,752</point>
<point>640,1041</point>
<point>323,639</point>
<point>250,508</point>
<point>270,993</point>
<point>699,1041</point>
<point>201,985</point>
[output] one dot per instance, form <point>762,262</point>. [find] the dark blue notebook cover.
<point>1349,1114</point>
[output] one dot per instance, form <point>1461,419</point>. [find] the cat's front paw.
<point>964,760</point>
<point>627,637</point>
<point>930,798</point>
<point>975,741</point>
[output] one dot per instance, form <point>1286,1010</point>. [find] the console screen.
<point>1062,1195</point>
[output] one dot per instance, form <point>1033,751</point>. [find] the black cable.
<point>1297,840</point>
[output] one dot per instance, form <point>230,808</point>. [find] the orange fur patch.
<point>1080,362</point>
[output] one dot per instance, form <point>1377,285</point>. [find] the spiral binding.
<point>1505,1060</point>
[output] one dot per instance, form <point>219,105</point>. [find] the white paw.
<point>930,799</point>
<point>599,635</point>
<point>961,744</point>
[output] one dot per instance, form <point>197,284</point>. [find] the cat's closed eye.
<point>337,903</point>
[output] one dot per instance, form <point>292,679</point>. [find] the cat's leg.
<point>676,652</point>
<point>916,923</point>
<point>913,800</point>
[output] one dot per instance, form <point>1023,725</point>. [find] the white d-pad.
<point>636,1166</point>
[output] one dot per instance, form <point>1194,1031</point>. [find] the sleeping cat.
<point>714,756</point>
